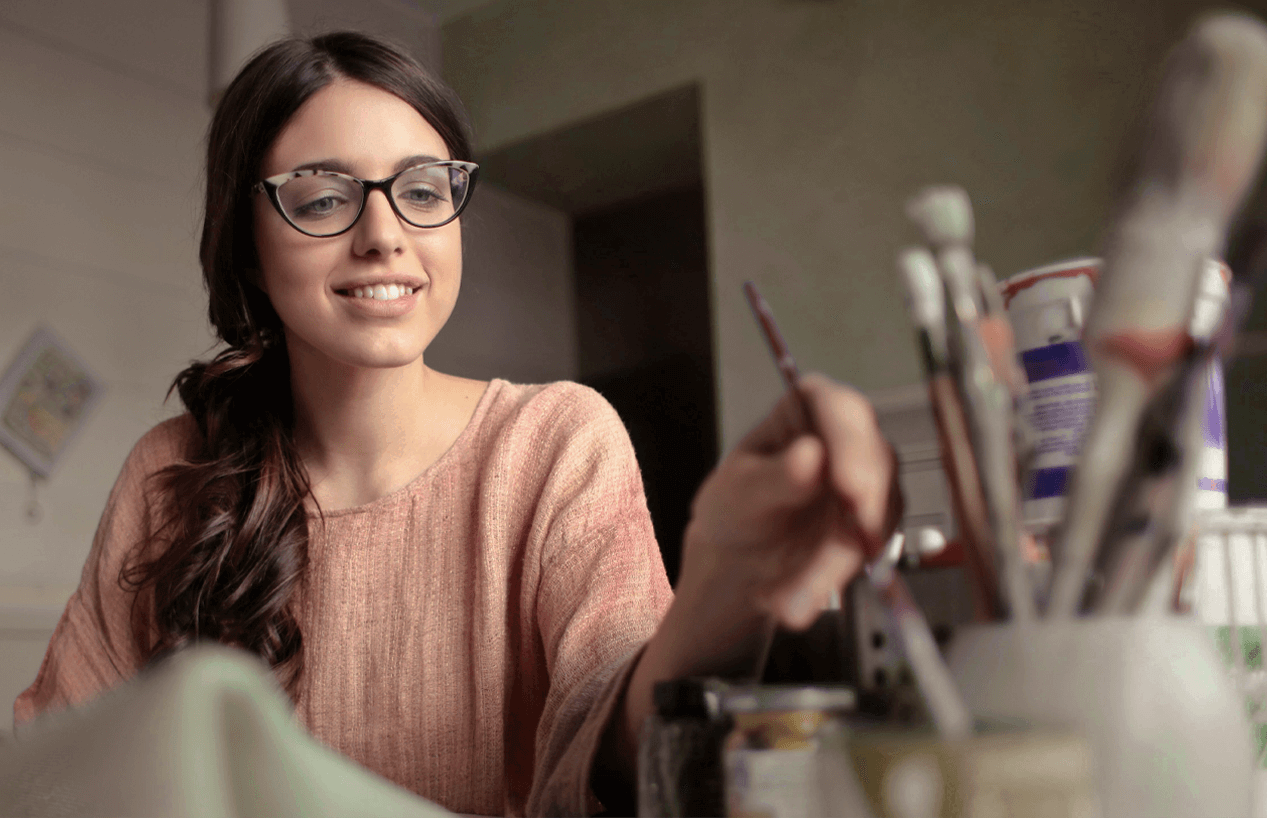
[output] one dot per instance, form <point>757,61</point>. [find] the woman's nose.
<point>379,229</point>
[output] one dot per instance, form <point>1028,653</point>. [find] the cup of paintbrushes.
<point>1161,715</point>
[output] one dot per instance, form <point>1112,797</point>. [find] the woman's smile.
<point>381,300</point>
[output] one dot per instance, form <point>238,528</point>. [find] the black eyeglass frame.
<point>272,183</point>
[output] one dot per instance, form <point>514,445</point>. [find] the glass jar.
<point>786,755</point>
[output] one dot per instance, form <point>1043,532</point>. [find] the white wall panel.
<point>102,120</point>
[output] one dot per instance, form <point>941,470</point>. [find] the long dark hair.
<point>233,541</point>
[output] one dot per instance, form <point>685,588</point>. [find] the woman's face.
<point>369,133</point>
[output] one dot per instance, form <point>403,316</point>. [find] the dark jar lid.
<point>689,698</point>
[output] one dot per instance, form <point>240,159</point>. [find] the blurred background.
<point>640,160</point>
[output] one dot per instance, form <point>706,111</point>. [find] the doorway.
<point>645,342</point>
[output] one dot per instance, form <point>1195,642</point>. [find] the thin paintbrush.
<point>946,706</point>
<point>926,300</point>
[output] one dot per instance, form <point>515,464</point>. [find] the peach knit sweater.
<point>467,636</point>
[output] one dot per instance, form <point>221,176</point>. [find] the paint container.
<point>1212,300</point>
<point>1047,308</point>
<point>1006,769</point>
<point>787,754</point>
<point>1165,725</point>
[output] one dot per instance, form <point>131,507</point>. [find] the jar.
<point>786,755</point>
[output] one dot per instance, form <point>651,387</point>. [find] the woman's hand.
<point>787,518</point>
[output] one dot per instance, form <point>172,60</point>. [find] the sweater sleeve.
<point>93,648</point>
<point>601,595</point>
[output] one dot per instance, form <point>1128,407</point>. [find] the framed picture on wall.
<point>46,394</point>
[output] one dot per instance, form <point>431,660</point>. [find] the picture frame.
<point>47,394</point>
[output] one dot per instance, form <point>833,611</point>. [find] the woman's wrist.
<point>716,621</point>
<point>713,628</point>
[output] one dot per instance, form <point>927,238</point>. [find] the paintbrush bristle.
<point>944,215</point>
<point>923,286</point>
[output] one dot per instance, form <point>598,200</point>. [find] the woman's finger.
<point>800,600</point>
<point>861,463</point>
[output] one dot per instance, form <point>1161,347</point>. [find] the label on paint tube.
<point>1060,407</point>
<point>1212,472</point>
<point>1212,298</point>
<point>1046,307</point>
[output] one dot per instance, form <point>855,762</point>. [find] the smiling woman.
<point>456,581</point>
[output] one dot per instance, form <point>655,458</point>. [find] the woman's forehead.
<point>360,126</point>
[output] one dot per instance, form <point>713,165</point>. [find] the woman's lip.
<point>403,281</point>
<point>382,309</point>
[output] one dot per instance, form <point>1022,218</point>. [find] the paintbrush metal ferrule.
<point>926,303</point>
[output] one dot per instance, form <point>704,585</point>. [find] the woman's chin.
<point>379,351</point>
<point>381,358</point>
<point>394,359</point>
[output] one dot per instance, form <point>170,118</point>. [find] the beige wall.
<point>819,119</point>
<point>100,129</point>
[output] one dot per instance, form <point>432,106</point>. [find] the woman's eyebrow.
<point>325,164</point>
<point>409,162</point>
<point>342,167</point>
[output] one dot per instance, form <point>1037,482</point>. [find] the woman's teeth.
<point>381,292</point>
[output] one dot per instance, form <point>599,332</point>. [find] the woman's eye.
<point>320,206</point>
<point>420,196</point>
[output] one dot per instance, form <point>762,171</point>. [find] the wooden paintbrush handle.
<point>967,499</point>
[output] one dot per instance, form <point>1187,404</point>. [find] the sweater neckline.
<point>461,442</point>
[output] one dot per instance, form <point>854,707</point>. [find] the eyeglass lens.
<point>324,204</point>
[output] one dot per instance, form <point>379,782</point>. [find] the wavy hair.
<point>233,537</point>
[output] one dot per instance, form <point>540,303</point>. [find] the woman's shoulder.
<point>559,407</point>
<point>559,428</point>
<point>165,443</point>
